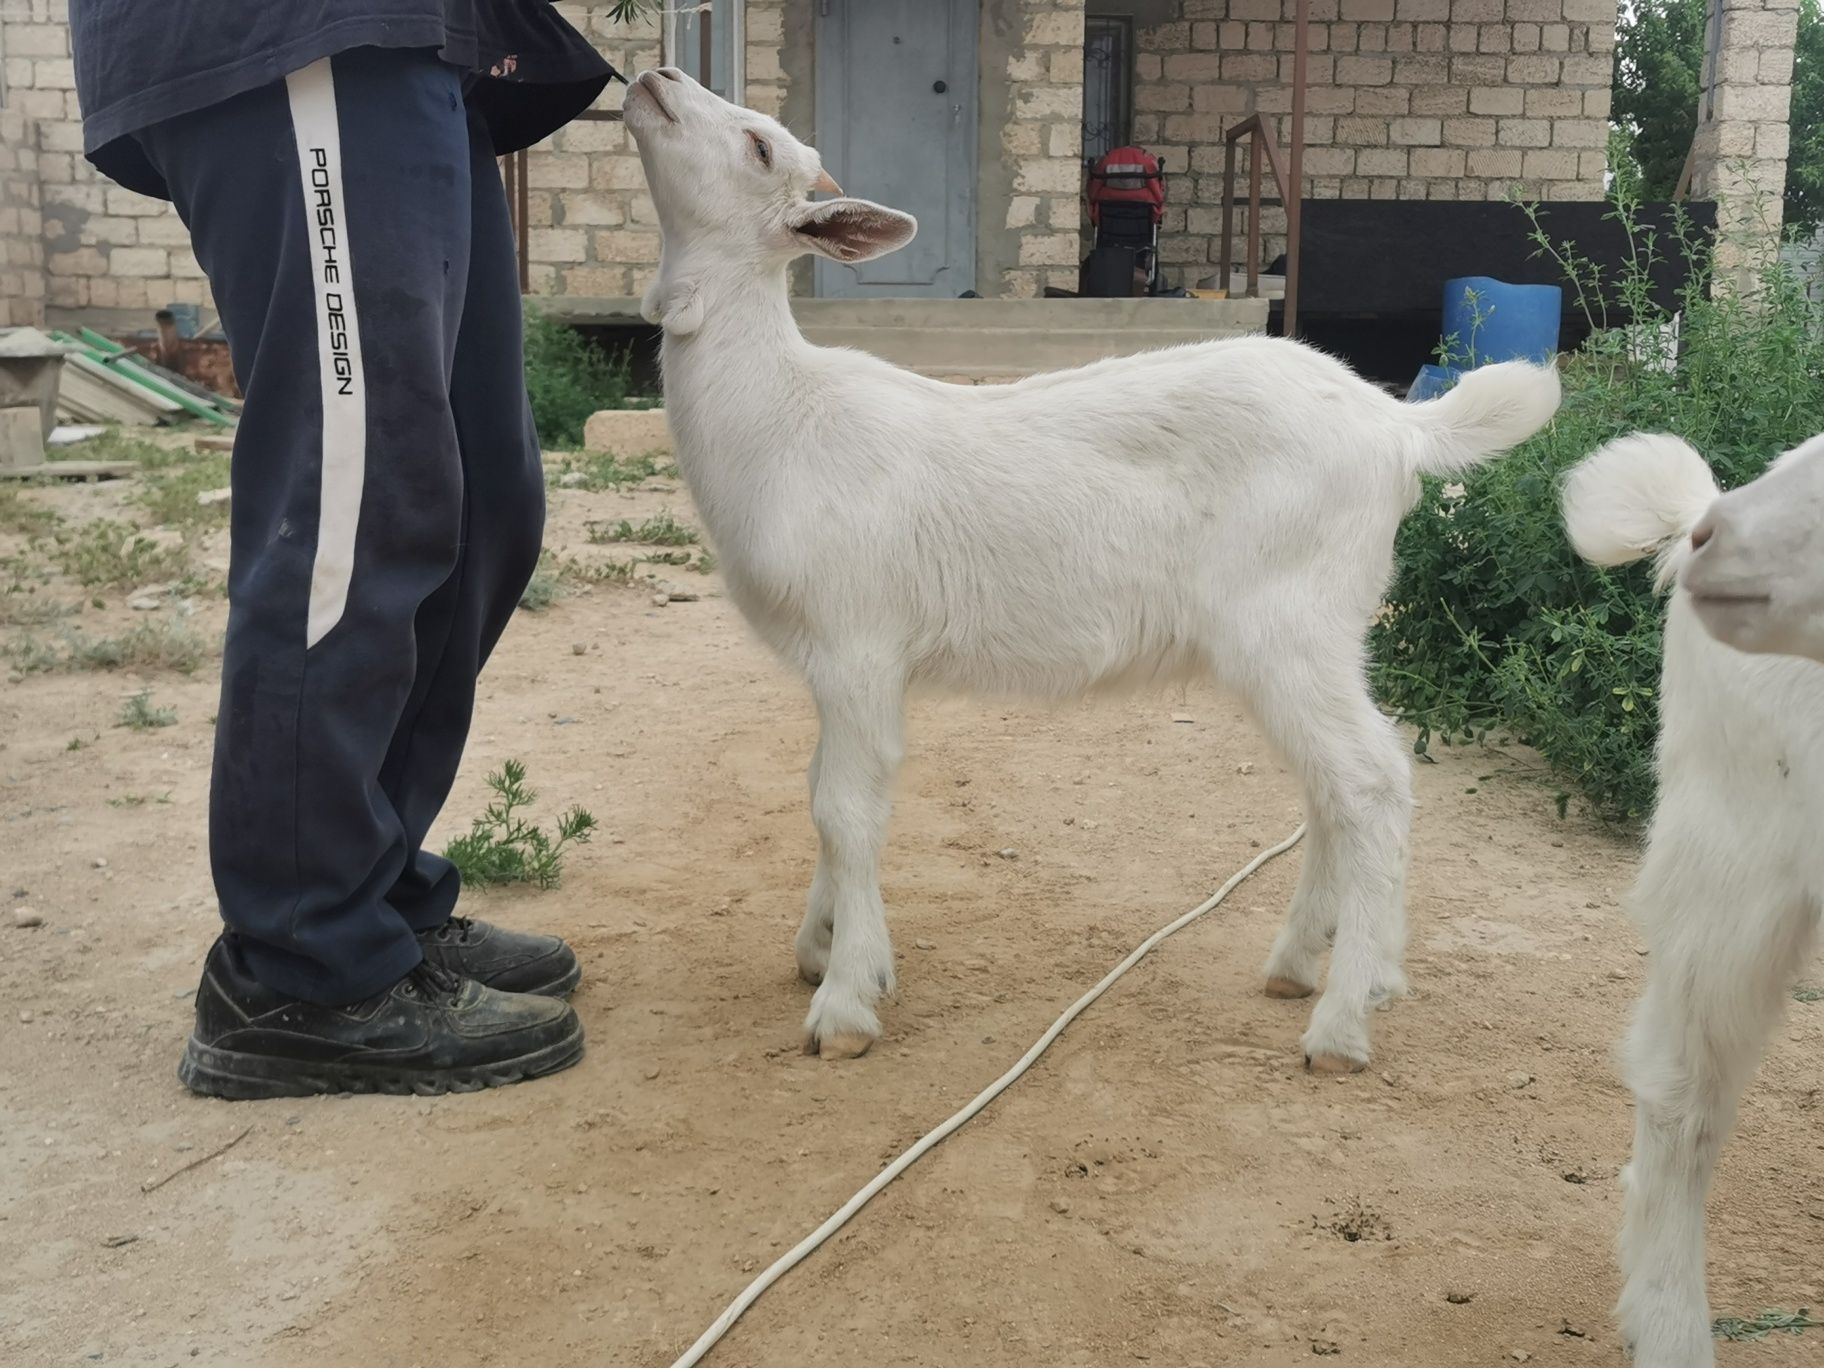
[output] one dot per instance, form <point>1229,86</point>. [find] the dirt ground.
<point>1168,1185</point>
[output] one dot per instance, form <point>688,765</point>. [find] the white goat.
<point>881,530</point>
<point>1757,580</point>
<point>1728,893</point>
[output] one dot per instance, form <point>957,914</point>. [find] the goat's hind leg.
<point>1358,801</point>
<point>857,756</point>
<point>1295,965</point>
<point>812,947</point>
<point>1719,969</point>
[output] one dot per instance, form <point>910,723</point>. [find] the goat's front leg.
<point>1718,972</point>
<point>861,711</point>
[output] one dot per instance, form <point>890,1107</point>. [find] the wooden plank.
<point>71,470</point>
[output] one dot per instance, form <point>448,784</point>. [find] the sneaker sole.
<point>560,987</point>
<point>247,1077</point>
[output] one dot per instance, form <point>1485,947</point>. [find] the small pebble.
<point>650,1074</point>
<point>1059,1205</point>
<point>25,1015</point>
<point>1008,853</point>
<point>660,600</point>
<point>24,916</point>
<point>1519,1080</point>
<point>101,862</point>
<point>1245,767</point>
<point>924,945</point>
<point>579,648</point>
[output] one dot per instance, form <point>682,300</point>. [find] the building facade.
<point>977,116</point>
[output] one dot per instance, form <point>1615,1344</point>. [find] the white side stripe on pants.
<point>344,461</point>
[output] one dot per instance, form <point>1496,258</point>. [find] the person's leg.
<point>503,518</point>
<point>332,215</point>
<point>340,264</point>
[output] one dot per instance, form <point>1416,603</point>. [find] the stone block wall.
<point>21,224</point>
<point>101,248</point>
<point>593,228</point>
<point>1031,155</point>
<point>1407,99</point>
<point>1739,157</point>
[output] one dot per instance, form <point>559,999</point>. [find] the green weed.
<point>598,470</point>
<point>138,714</point>
<point>502,847</point>
<point>1736,1328</point>
<point>106,554</point>
<point>138,800</point>
<point>116,444</point>
<point>170,498</point>
<point>660,530</point>
<point>19,514</point>
<point>160,644</point>
<point>568,378</point>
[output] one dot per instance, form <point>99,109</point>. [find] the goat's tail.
<point>1490,409</point>
<point>1638,496</point>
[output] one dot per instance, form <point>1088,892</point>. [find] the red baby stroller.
<point>1126,202</point>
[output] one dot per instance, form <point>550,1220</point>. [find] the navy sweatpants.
<point>388,500</point>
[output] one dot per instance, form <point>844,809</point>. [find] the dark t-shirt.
<point>139,62</point>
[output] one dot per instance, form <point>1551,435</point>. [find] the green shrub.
<point>502,847</point>
<point>1493,625</point>
<point>568,378</point>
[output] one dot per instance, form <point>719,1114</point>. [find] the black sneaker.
<point>432,1032</point>
<point>512,961</point>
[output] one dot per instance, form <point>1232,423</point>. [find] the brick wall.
<point>21,227</point>
<point>593,228</point>
<point>1407,99</point>
<point>103,248</point>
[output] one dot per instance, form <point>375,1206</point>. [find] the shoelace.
<point>456,929</point>
<point>432,981</point>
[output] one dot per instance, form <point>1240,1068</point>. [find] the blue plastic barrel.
<point>1518,322</point>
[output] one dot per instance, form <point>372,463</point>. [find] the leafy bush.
<point>568,378</point>
<point>502,847</point>
<point>1493,624</point>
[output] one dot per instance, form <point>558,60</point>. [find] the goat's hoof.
<point>1287,988</point>
<point>842,1045</point>
<point>1334,1064</point>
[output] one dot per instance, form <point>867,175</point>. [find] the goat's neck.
<point>731,312</point>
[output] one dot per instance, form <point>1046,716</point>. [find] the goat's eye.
<point>762,150</point>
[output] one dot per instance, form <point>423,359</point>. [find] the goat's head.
<point>733,188</point>
<point>1756,570</point>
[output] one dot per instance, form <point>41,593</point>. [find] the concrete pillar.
<point>1739,157</point>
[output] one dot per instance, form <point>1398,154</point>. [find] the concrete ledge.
<point>628,431</point>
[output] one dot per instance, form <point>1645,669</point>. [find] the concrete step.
<point>1007,338</point>
<point>992,339</point>
<point>1012,350</point>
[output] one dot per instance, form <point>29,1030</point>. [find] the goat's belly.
<point>1056,661</point>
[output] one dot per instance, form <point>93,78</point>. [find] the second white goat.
<point>1728,894</point>
<point>883,531</point>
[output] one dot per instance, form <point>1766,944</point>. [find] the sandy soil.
<point>1166,1186</point>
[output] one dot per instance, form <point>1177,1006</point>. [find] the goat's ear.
<point>851,230</point>
<point>676,308</point>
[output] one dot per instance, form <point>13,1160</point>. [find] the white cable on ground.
<point>804,1248</point>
